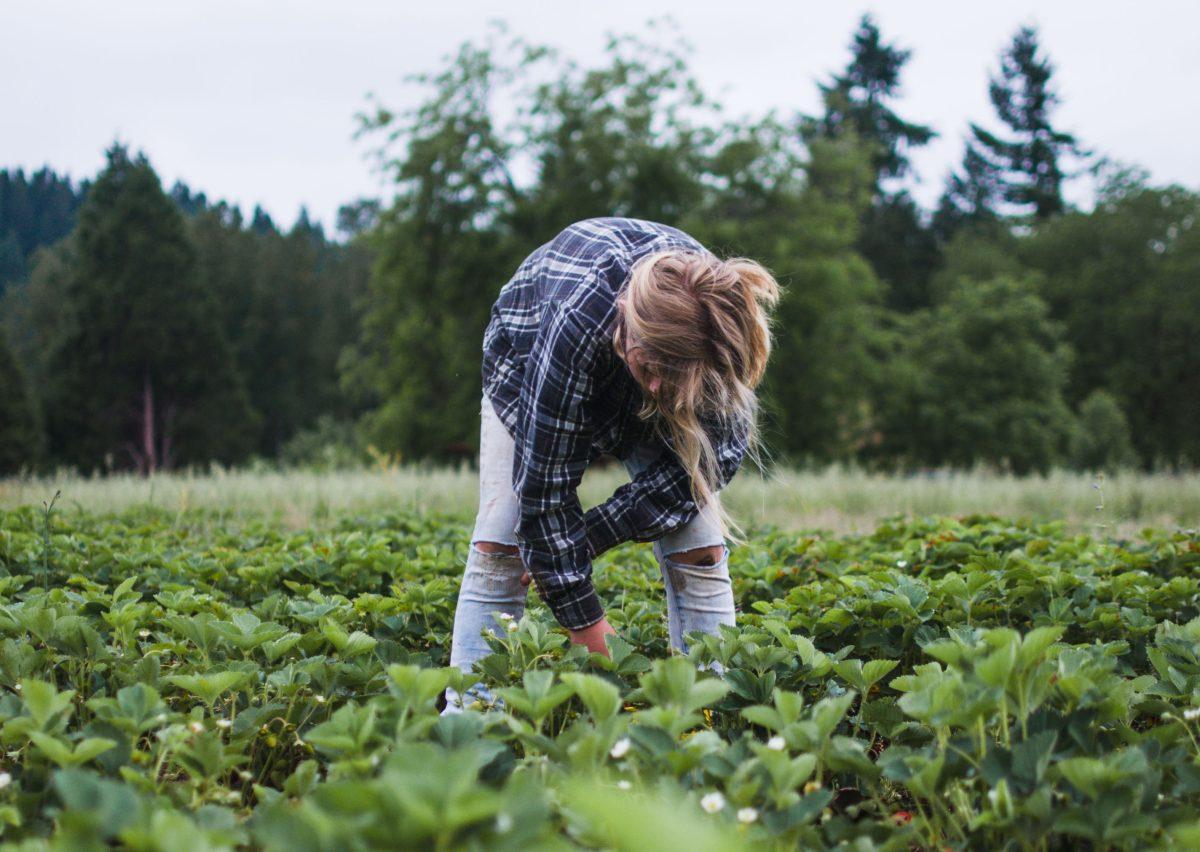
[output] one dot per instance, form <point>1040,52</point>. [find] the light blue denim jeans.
<point>699,597</point>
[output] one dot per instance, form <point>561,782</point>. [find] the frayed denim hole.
<point>502,570</point>
<point>700,580</point>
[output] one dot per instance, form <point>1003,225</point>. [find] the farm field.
<point>174,677</point>
<point>834,499</point>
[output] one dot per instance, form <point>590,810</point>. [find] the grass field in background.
<point>837,500</point>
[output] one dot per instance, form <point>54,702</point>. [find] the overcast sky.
<point>254,101</point>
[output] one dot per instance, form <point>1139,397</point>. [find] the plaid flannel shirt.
<point>557,384</point>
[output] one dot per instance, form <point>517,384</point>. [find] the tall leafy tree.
<point>625,138</point>
<point>141,374</point>
<point>979,378</point>
<point>443,254</point>
<point>1122,280</point>
<point>798,211</point>
<point>1023,166</point>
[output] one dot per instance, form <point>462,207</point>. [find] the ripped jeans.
<point>699,597</point>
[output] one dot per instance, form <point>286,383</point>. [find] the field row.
<point>835,499</point>
<point>960,683</point>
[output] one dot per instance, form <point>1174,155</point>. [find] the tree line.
<point>1002,327</point>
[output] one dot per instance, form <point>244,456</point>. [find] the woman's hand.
<point>592,637</point>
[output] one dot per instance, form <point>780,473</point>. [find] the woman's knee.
<point>699,555</point>
<point>495,547</point>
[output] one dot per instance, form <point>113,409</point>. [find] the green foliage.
<point>139,370</point>
<point>800,217</point>
<point>442,257</point>
<point>288,304</point>
<point>858,101</point>
<point>980,378</point>
<point>1024,169</point>
<point>1100,438</point>
<point>633,136</point>
<point>36,210</point>
<point>966,683</point>
<point>328,444</point>
<point>20,425</point>
<point>1118,280</point>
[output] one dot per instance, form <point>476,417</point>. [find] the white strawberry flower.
<point>5,780</point>
<point>776,743</point>
<point>620,748</point>
<point>747,815</point>
<point>197,727</point>
<point>712,802</point>
<point>1192,713</point>
<point>624,785</point>
<point>224,723</point>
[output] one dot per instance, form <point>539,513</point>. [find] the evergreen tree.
<point>859,100</point>
<point>859,104</point>
<point>1022,168</point>
<point>20,427</point>
<point>35,210</point>
<point>902,250</point>
<point>141,374</point>
<point>190,202</point>
<point>261,222</point>
<point>31,311</point>
<point>972,196</point>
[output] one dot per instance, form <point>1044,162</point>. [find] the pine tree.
<point>1024,167</point>
<point>972,195</point>
<point>261,223</point>
<point>20,427</point>
<point>35,210</point>
<point>859,101</point>
<point>141,374</point>
<point>858,107</point>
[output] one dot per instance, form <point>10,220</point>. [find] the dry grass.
<point>835,500</point>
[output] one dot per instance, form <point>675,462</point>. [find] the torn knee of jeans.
<point>699,557</point>
<point>495,548</point>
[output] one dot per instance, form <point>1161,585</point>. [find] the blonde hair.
<point>703,325</point>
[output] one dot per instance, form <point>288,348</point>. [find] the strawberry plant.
<point>939,683</point>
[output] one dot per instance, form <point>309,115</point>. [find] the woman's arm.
<point>553,438</point>
<point>659,499</point>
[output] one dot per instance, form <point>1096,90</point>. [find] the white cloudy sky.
<point>253,101</point>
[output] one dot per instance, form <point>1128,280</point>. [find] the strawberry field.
<point>170,682</point>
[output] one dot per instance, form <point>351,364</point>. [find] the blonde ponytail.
<point>703,326</point>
